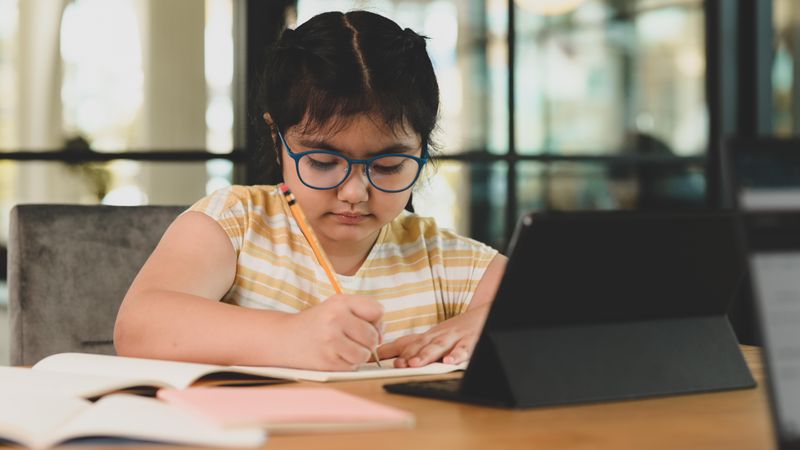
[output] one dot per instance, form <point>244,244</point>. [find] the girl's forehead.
<point>355,128</point>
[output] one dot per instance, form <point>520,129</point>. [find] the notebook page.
<point>181,374</point>
<point>364,371</point>
<point>28,417</point>
<point>172,373</point>
<point>133,417</point>
<point>20,379</point>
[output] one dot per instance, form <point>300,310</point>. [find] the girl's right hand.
<point>337,334</point>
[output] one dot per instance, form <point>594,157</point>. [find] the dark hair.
<point>338,65</point>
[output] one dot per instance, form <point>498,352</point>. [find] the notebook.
<point>91,376</point>
<point>37,420</point>
<point>288,409</point>
<point>598,306</point>
<point>774,249</point>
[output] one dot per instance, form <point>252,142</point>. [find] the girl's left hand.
<point>451,341</point>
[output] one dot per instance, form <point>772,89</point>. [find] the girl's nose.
<point>355,188</point>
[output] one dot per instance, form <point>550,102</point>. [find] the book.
<point>38,421</point>
<point>291,409</point>
<point>92,376</point>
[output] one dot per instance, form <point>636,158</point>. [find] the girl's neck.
<point>347,257</point>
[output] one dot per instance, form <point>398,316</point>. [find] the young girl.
<point>350,103</point>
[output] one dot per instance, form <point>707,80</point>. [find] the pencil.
<point>300,218</point>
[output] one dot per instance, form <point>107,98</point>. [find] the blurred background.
<point>546,104</point>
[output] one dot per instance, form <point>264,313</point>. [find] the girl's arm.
<point>172,311</point>
<point>453,340</point>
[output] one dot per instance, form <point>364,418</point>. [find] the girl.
<point>350,103</point>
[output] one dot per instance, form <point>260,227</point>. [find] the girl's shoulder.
<point>256,194</point>
<point>241,199</point>
<point>409,227</point>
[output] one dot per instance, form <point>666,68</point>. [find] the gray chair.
<point>69,267</point>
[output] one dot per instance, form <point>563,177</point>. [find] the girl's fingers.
<point>361,332</point>
<point>459,354</point>
<point>352,352</point>
<point>434,350</point>
<point>394,348</point>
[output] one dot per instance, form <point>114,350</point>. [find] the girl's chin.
<point>351,233</point>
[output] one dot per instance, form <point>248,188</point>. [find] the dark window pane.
<point>587,186</point>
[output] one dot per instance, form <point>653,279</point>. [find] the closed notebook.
<point>288,409</point>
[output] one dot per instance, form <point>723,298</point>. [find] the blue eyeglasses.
<point>327,169</point>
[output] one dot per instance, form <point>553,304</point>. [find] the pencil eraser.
<point>284,188</point>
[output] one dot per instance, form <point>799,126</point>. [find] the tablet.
<point>602,305</point>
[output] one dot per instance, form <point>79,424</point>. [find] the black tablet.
<point>598,306</point>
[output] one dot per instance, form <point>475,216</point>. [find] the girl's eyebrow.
<point>322,144</point>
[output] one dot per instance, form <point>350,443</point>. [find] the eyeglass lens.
<point>325,170</point>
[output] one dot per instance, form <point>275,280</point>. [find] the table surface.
<point>727,420</point>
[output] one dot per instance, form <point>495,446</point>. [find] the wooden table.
<point>724,420</point>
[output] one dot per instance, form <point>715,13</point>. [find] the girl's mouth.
<point>350,219</point>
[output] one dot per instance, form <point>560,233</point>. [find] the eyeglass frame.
<point>420,160</point>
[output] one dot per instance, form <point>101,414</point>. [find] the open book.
<point>46,420</point>
<point>91,376</point>
<point>290,409</point>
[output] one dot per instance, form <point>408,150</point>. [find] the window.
<point>613,81</point>
<point>8,105</point>
<point>786,69</point>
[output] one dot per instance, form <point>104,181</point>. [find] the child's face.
<point>355,211</point>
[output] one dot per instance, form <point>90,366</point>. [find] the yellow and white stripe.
<point>420,273</point>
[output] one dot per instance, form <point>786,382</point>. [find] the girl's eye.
<point>318,162</point>
<point>388,169</point>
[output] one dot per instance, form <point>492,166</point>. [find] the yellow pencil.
<point>300,218</point>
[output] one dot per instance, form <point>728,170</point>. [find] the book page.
<point>20,379</point>
<point>132,417</point>
<point>28,418</point>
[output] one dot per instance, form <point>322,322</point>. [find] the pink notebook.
<point>288,409</point>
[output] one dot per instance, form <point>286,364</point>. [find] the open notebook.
<point>91,376</point>
<point>39,420</point>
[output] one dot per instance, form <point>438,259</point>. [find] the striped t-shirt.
<point>421,274</point>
